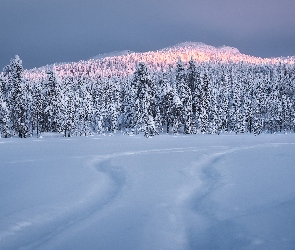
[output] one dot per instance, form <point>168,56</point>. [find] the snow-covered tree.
<point>83,112</point>
<point>54,103</point>
<point>144,90</point>
<point>185,95</point>
<point>171,109</point>
<point>18,102</point>
<point>193,80</point>
<point>209,94</point>
<point>5,123</point>
<point>204,102</point>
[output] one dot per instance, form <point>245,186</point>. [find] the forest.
<point>190,97</point>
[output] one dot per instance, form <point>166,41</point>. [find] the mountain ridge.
<point>204,47</point>
<point>123,63</point>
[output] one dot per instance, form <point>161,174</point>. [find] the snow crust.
<point>129,192</point>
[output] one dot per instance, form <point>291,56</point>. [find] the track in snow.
<point>180,197</point>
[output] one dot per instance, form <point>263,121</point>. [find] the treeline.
<point>191,98</point>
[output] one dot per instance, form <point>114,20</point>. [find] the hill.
<point>187,88</point>
<point>123,63</point>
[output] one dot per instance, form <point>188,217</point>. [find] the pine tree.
<point>18,102</point>
<point>128,109</point>
<point>84,112</point>
<point>54,103</point>
<point>214,117</point>
<point>144,91</point>
<point>112,106</point>
<point>257,108</point>
<point>184,93</point>
<point>248,103</point>
<point>236,116</point>
<point>37,108</point>
<point>204,103</point>
<point>171,109</point>
<point>70,110</point>
<point>5,124</point>
<point>193,80</point>
<point>96,116</point>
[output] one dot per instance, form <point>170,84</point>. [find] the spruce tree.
<point>53,112</point>
<point>144,91</point>
<point>38,108</point>
<point>5,124</point>
<point>257,108</point>
<point>236,116</point>
<point>204,103</point>
<point>193,80</point>
<point>96,116</point>
<point>17,101</point>
<point>171,109</point>
<point>185,95</point>
<point>70,110</point>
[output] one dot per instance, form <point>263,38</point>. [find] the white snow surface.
<point>129,192</point>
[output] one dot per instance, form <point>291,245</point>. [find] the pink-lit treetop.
<point>124,64</point>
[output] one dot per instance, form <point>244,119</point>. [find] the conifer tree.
<point>70,110</point>
<point>96,116</point>
<point>54,103</point>
<point>236,116</point>
<point>171,109</point>
<point>214,115</point>
<point>204,103</point>
<point>83,112</point>
<point>248,102</point>
<point>5,124</point>
<point>30,118</point>
<point>17,101</point>
<point>38,108</point>
<point>129,106</point>
<point>193,81</point>
<point>257,108</point>
<point>184,93</point>
<point>144,97</point>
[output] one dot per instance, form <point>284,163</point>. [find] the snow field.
<point>129,192</point>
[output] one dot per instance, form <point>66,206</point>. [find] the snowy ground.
<point>129,192</point>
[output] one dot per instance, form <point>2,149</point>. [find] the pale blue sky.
<point>43,32</point>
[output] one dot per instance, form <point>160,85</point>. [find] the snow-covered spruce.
<point>213,96</point>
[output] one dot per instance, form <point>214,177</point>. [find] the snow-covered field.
<point>129,192</point>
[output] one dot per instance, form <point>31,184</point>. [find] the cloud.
<point>44,32</point>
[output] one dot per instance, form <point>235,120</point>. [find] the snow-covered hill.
<point>123,63</point>
<point>202,47</point>
<point>186,88</point>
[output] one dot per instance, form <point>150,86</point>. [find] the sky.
<point>45,32</point>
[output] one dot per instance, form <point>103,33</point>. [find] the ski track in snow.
<point>51,224</point>
<point>204,208</point>
<point>203,178</point>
